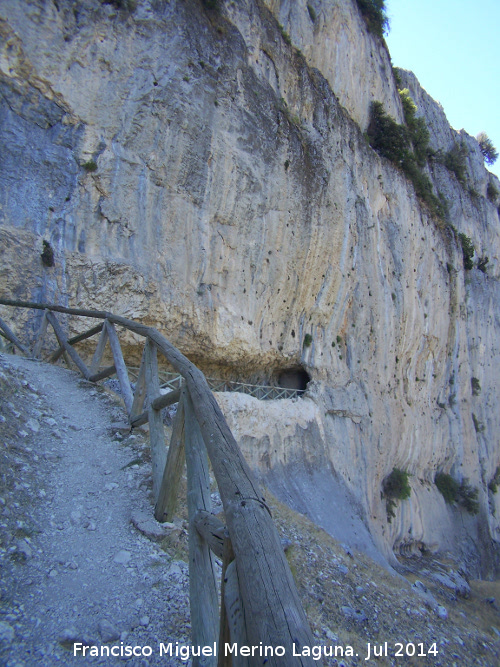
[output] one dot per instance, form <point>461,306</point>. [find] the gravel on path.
<point>74,566</point>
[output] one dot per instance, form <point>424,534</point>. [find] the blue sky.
<point>453,47</point>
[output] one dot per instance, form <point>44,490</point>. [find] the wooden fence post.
<point>121,369</point>
<point>156,432</point>
<point>203,596</point>
<point>140,389</point>
<point>236,615</point>
<point>99,351</point>
<point>224,629</point>
<point>169,488</point>
<point>37,349</point>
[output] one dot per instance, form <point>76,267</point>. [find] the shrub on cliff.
<point>495,481</point>
<point>482,263</point>
<point>395,487</point>
<point>489,151</point>
<point>375,16</point>
<point>387,137</point>
<point>47,254</point>
<point>467,497</point>
<point>454,161</point>
<point>90,166</point>
<point>492,193</point>
<point>128,5</point>
<point>447,486</point>
<point>467,251</point>
<point>406,147</point>
<point>419,134</point>
<point>462,494</point>
<point>312,13</point>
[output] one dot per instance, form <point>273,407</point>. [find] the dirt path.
<point>74,567</point>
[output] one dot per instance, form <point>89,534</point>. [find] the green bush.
<point>90,166</point>
<point>406,147</point>
<point>478,426</point>
<point>482,264</point>
<point>409,106</point>
<point>489,151</point>
<point>447,486</point>
<point>374,14</point>
<point>285,35</point>
<point>462,494</point>
<point>397,77</point>
<point>312,13</point>
<point>129,5</point>
<point>47,254</point>
<point>495,481</point>
<point>492,193</point>
<point>386,136</point>
<point>420,139</point>
<point>308,340</point>
<point>467,251</point>
<point>476,387</point>
<point>467,497</point>
<point>419,134</point>
<point>454,161</point>
<point>395,487</point>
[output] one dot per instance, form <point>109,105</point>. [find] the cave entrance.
<point>294,378</point>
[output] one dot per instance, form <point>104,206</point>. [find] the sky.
<point>453,48</point>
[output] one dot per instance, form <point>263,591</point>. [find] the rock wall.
<point>193,169</point>
<point>333,37</point>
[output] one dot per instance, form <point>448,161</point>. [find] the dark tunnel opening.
<point>294,378</point>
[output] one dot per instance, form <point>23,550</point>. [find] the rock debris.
<point>75,568</point>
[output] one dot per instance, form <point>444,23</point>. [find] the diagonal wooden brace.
<point>62,340</point>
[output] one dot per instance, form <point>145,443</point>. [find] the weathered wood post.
<point>169,488</point>
<point>140,389</point>
<point>37,349</point>
<point>156,432</point>
<point>121,369</point>
<point>203,596</point>
<point>99,351</point>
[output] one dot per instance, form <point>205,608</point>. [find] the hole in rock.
<point>294,378</point>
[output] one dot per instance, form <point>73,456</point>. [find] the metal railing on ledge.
<point>262,392</point>
<point>259,604</point>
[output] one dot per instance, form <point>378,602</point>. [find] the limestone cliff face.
<point>333,37</point>
<point>193,170</point>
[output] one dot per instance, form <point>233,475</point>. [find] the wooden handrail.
<point>272,612</point>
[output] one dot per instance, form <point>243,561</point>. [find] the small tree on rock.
<point>489,151</point>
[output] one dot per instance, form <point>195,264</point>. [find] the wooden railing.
<point>260,607</point>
